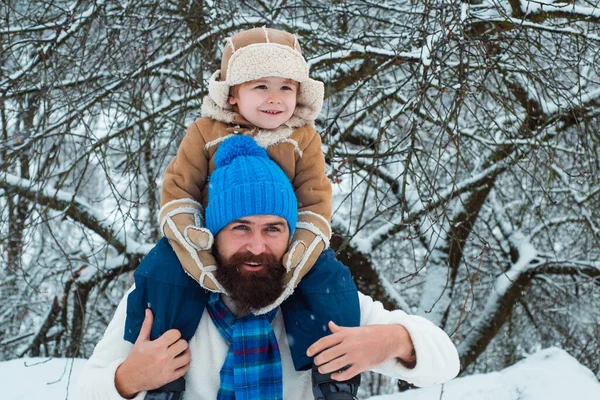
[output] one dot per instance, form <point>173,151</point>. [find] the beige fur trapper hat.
<point>263,52</point>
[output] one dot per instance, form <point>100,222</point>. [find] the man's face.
<point>249,252</point>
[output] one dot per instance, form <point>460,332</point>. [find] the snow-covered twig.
<point>75,207</point>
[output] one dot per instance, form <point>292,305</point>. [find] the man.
<point>235,354</point>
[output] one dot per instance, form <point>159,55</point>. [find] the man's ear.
<point>232,100</point>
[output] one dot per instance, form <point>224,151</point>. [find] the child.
<point>256,63</point>
<point>262,90</point>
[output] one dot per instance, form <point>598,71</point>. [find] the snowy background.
<point>462,139</point>
<point>550,374</point>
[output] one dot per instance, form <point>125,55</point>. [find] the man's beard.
<point>250,290</point>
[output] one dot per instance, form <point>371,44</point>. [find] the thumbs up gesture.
<point>152,363</point>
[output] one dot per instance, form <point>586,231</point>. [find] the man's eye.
<point>273,229</point>
<point>240,228</point>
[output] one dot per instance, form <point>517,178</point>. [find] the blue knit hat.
<point>247,182</point>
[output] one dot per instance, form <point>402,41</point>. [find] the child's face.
<point>266,103</point>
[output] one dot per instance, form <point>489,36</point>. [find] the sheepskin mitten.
<point>181,222</point>
<point>310,239</point>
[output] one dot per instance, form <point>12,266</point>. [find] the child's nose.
<point>274,99</point>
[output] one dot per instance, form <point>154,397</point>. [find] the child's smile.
<point>266,103</point>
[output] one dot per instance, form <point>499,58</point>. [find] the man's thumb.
<point>146,326</point>
<point>334,328</point>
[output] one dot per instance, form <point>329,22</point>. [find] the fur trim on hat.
<point>212,108</point>
<point>266,59</point>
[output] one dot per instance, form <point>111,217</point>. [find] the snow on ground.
<point>551,374</point>
<point>39,378</point>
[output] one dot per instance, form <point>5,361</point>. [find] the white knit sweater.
<point>437,358</point>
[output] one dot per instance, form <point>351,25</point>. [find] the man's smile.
<point>252,266</point>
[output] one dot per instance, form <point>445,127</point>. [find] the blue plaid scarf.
<point>252,368</point>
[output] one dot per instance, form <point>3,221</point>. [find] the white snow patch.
<point>538,6</point>
<point>39,378</point>
<point>551,374</point>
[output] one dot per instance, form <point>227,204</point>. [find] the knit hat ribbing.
<point>247,182</point>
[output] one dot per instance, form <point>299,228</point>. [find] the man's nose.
<point>256,245</point>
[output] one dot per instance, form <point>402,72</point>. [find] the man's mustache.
<point>247,257</point>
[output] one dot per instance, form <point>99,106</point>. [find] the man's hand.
<point>152,364</point>
<point>361,348</point>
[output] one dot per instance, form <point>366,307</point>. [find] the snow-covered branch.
<point>568,10</point>
<point>557,266</point>
<point>60,37</point>
<point>509,23</point>
<point>436,296</point>
<point>442,197</point>
<point>73,206</point>
<point>367,276</point>
<point>503,295</point>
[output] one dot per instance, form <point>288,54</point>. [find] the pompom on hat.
<point>247,182</point>
<point>264,52</point>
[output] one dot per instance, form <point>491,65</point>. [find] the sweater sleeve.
<point>181,197</point>
<point>437,357</point>
<point>186,174</point>
<point>311,184</point>
<point>97,378</point>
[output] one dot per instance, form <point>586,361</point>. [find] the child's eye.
<point>260,87</point>
<point>287,88</point>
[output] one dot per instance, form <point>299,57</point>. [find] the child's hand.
<point>311,235</point>
<point>297,251</point>
<point>199,238</point>
<point>192,244</point>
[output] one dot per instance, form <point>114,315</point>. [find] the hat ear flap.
<point>310,102</point>
<point>218,90</point>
